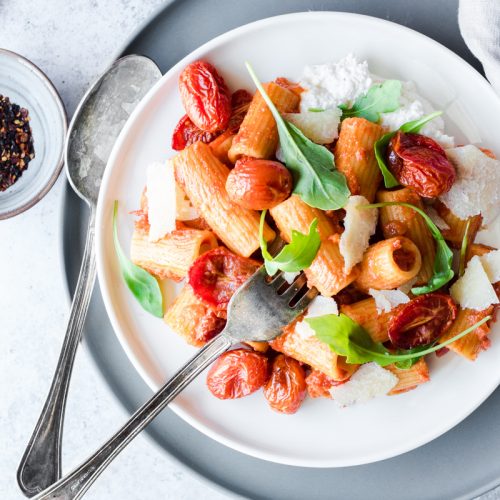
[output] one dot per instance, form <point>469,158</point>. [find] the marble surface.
<point>72,42</point>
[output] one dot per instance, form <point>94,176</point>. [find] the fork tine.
<point>278,280</point>
<point>305,300</point>
<point>292,290</point>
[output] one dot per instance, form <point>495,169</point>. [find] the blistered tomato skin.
<point>420,163</point>
<point>259,184</point>
<point>205,97</point>
<point>422,320</point>
<point>216,275</point>
<point>286,388</point>
<point>237,373</point>
<point>187,133</point>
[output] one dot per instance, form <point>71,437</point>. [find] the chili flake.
<point>16,142</point>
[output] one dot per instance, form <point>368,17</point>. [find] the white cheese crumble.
<point>368,382</point>
<point>413,106</point>
<point>491,265</point>
<point>331,84</point>
<point>290,277</point>
<point>476,188</point>
<point>318,307</point>
<point>359,225</point>
<point>160,192</point>
<point>474,290</point>
<point>321,127</point>
<point>386,300</point>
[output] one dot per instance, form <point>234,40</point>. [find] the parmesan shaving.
<point>475,190</point>
<point>386,300</point>
<point>160,192</point>
<point>491,265</point>
<point>359,225</point>
<point>474,290</point>
<point>321,127</point>
<point>368,382</point>
<point>318,307</point>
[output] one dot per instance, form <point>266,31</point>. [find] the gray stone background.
<point>72,41</point>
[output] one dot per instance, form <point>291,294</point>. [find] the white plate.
<point>319,435</point>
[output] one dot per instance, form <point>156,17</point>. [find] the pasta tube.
<point>191,318</point>
<point>411,378</point>
<point>389,264</point>
<point>473,343</point>
<point>172,255</point>
<point>355,156</point>
<point>327,270</point>
<point>397,220</point>
<point>365,313</point>
<point>203,178</point>
<point>310,350</point>
<point>258,134</point>
<point>456,232</point>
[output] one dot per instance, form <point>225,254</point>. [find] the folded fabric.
<point>479,22</point>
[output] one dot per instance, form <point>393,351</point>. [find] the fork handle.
<point>41,463</point>
<point>77,482</point>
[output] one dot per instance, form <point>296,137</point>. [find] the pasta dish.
<point>376,207</point>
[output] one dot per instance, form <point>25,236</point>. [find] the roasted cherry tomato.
<point>286,387</point>
<point>186,133</point>
<point>422,320</point>
<point>237,373</point>
<point>420,163</point>
<point>216,275</point>
<point>205,96</point>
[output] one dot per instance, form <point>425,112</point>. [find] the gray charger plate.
<point>463,463</point>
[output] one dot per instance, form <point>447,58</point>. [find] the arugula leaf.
<point>347,338</point>
<point>315,179</point>
<point>380,98</point>
<point>143,285</point>
<point>315,110</point>
<point>463,249</point>
<point>380,147</point>
<point>442,271</point>
<point>295,256</point>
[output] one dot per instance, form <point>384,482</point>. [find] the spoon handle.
<point>75,484</point>
<point>41,463</point>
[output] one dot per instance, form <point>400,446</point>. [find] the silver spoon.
<point>96,124</point>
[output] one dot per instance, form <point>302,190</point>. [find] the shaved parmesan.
<point>160,192</point>
<point>475,190</point>
<point>474,290</point>
<point>318,307</point>
<point>167,202</point>
<point>321,127</point>
<point>368,382</point>
<point>359,225</point>
<point>386,300</point>
<point>491,265</point>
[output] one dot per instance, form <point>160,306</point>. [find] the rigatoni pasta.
<point>398,220</point>
<point>203,178</point>
<point>410,378</point>
<point>326,273</point>
<point>388,264</point>
<point>172,255</point>
<point>258,135</point>
<point>355,157</point>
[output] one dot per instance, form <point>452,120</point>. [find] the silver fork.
<point>258,311</point>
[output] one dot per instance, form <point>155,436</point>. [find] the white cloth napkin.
<point>479,22</point>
